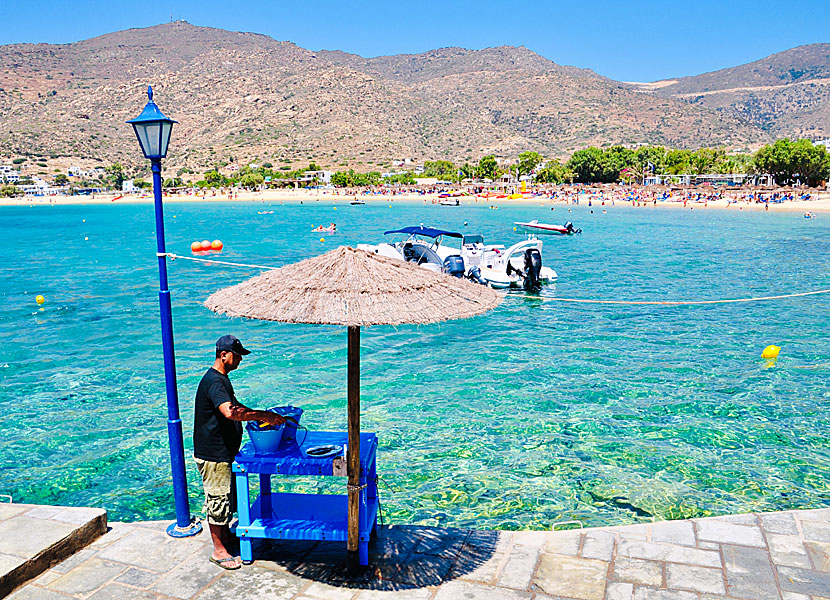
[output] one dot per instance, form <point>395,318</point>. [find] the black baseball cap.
<point>230,343</point>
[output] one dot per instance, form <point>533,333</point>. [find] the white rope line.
<point>675,302</point>
<point>550,299</point>
<point>212,261</point>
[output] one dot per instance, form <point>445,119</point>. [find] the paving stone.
<point>87,576</point>
<point>31,592</point>
<point>820,553</point>
<point>446,545</point>
<point>564,542</point>
<point>645,593</point>
<point>9,562</point>
<point>599,545</point>
<point>581,578</point>
<point>42,512</point>
<point>460,590</point>
<point>26,537</point>
<point>115,531</point>
<point>115,591</point>
<point>484,571</point>
<point>725,532</point>
<point>794,596</point>
<point>138,577</point>
<point>749,573</point>
<point>744,519</point>
<point>674,532</point>
<point>813,514</point>
<point>409,594</point>
<point>518,571</point>
<point>695,579</point>
<point>634,570</point>
<point>633,532</point>
<point>534,539</point>
<point>787,550</point>
<point>46,577</point>
<point>254,582</point>
<point>816,531</point>
<point>804,581</point>
<point>7,511</point>
<point>780,522</point>
<point>149,549</point>
<point>668,552</point>
<point>708,545</point>
<point>619,591</point>
<point>78,516</point>
<point>189,577</point>
<point>74,560</point>
<point>329,592</point>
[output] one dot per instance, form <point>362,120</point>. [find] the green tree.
<point>528,161</point>
<point>10,191</point>
<point>173,182</point>
<point>588,165</point>
<point>487,167</point>
<point>140,183</point>
<point>213,177</point>
<point>554,172</point>
<point>114,175</point>
<point>789,161</point>
<point>440,169</point>
<point>251,180</point>
<point>61,179</point>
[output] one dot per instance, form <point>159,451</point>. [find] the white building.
<point>321,176</point>
<point>128,186</point>
<point>9,174</point>
<point>825,143</point>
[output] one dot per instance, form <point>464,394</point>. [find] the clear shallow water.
<point>535,413</point>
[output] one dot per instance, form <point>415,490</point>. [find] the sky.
<point>626,41</point>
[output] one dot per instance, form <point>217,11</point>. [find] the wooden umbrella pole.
<point>353,458</point>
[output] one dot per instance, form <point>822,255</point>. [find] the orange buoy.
<point>205,245</point>
<point>217,245</point>
<point>196,247</point>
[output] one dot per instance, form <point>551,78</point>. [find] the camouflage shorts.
<point>220,495</point>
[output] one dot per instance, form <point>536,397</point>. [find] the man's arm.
<point>238,412</point>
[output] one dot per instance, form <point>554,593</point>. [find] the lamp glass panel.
<point>166,128</point>
<point>152,131</point>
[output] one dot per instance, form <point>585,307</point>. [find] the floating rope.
<point>673,302</point>
<point>553,298</point>
<point>212,261</point>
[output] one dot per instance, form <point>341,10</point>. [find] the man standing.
<point>217,435</point>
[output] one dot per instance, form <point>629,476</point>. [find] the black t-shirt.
<point>215,437</point>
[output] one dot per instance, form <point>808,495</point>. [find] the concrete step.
<point>33,538</point>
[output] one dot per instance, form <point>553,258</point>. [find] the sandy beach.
<point>601,199</point>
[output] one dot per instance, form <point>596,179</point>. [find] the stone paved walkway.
<point>775,556</point>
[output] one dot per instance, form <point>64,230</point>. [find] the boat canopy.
<point>426,231</point>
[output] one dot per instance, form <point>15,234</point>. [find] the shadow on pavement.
<point>400,557</point>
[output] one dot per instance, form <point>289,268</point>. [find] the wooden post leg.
<point>243,507</point>
<point>353,458</point>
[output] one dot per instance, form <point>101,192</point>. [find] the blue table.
<point>304,516</point>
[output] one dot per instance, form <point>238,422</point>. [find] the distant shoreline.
<point>269,197</point>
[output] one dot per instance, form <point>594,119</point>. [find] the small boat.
<point>537,228</point>
<point>519,266</point>
<point>450,202</point>
<point>357,202</point>
<point>809,215</point>
<point>332,228</point>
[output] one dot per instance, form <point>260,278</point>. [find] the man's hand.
<point>274,419</point>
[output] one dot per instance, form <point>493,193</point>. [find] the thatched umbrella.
<point>353,288</point>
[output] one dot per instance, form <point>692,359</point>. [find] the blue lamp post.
<point>153,129</point>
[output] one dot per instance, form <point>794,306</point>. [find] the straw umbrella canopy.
<point>354,288</point>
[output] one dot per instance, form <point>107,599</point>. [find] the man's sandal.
<point>222,562</point>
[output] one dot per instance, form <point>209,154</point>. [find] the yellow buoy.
<point>322,239</point>
<point>40,299</point>
<point>86,239</point>
<point>770,352</point>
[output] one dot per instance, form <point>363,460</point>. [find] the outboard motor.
<point>474,274</point>
<point>454,265</point>
<point>533,269</point>
<point>571,229</point>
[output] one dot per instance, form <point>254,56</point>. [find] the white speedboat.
<point>536,228</point>
<point>357,202</point>
<point>519,266</point>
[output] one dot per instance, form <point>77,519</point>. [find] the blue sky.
<point>628,41</point>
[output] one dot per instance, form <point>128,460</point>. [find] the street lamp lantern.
<point>153,129</point>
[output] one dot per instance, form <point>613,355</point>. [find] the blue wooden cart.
<point>281,516</point>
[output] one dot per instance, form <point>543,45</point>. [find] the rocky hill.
<point>785,94</point>
<point>245,96</point>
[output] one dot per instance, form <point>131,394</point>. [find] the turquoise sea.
<point>536,413</point>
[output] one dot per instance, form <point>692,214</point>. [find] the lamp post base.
<point>194,528</point>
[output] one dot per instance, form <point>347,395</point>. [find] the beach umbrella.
<point>354,288</point>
